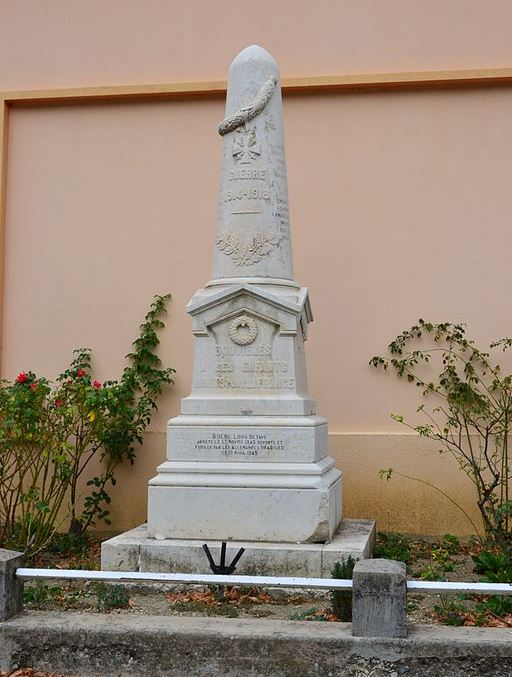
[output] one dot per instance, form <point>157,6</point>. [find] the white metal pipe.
<point>432,587</point>
<point>185,579</point>
<point>459,586</point>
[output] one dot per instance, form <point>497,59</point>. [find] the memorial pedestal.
<point>278,502</point>
<point>259,469</point>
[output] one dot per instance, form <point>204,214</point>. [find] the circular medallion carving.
<point>243,330</point>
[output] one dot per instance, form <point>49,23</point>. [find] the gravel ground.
<point>428,559</point>
<point>158,599</point>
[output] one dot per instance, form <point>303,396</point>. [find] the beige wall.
<point>399,201</point>
<point>61,43</point>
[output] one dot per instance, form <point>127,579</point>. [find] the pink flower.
<point>59,403</point>
<point>80,373</point>
<point>96,384</point>
<point>22,377</point>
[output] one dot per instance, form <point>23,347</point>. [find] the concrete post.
<point>379,599</point>
<point>11,589</point>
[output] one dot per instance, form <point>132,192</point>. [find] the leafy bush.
<point>469,411</point>
<point>498,605</point>
<point>69,544</point>
<point>341,600</point>
<point>495,567</point>
<point>49,434</point>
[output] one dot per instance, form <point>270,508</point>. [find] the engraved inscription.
<point>261,350</point>
<point>248,173</point>
<point>247,194</point>
<point>240,381</point>
<point>264,366</point>
<point>240,444</point>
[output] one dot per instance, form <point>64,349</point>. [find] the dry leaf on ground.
<point>29,672</point>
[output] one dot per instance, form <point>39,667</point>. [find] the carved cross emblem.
<point>245,145</point>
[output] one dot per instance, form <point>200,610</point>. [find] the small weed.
<point>224,609</point>
<point>111,597</point>
<point>341,600</point>
<point>40,593</point>
<point>393,546</point>
<point>413,602</point>
<point>432,572</point>
<point>451,544</point>
<point>497,605</point>
<point>190,607</point>
<point>311,614</point>
<point>196,606</point>
<point>69,544</point>
<point>450,612</point>
<point>87,563</point>
<point>442,558</point>
<point>496,567</point>
<point>74,598</point>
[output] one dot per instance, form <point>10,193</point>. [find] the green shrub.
<point>341,600</point>
<point>467,410</point>
<point>111,597</point>
<point>38,593</point>
<point>393,546</point>
<point>495,566</point>
<point>50,433</point>
<point>497,605</point>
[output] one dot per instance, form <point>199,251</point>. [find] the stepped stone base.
<point>264,502</point>
<point>135,551</point>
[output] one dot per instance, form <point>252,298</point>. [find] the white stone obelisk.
<point>253,226</point>
<point>247,457</point>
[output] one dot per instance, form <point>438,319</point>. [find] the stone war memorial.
<point>247,458</point>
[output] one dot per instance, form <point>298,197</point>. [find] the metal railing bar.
<point>459,586</point>
<point>187,579</point>
<point>429,587</point>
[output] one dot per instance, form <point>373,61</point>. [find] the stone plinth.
<point>280,502</point>
<point>135,551</point>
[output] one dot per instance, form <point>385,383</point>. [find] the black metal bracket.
<point>222,568</point>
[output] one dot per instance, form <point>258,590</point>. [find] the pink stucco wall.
<point>400,201</point>
<point>58,43</point>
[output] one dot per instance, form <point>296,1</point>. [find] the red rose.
<point>59,403</point>
<point>80,373</point>
<point>96,384</point>
<point>22,377</point>
<point>33,386</point>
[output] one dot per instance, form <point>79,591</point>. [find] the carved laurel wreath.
<point>243,338</point>
<point>247,253</point>
<point>246,113</point>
